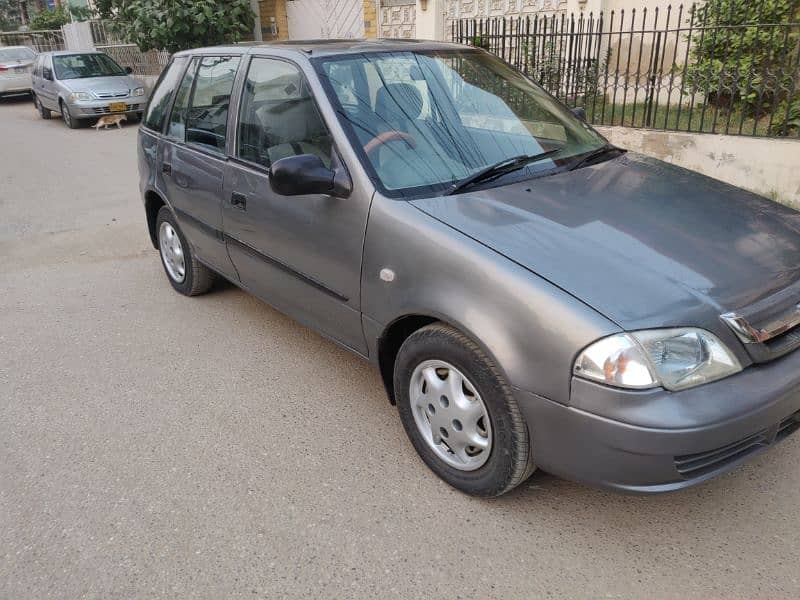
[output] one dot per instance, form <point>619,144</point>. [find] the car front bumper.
<point>657,441</point>
<point>92,109</point>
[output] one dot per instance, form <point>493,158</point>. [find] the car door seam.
<point>286,268</point>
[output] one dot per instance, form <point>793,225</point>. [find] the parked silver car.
<point>532,295</point>
<point>15,69</point>
<point>83,86</point>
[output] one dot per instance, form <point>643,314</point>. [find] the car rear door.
<point>302,254</point>
<point>192,155</point>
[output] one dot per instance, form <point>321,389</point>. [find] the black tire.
<point>510,462</point>
<point>43,112</point>
<point>66,115</point>
<point>198,278</point>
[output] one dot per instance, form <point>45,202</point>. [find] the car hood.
<point>114,85</point>
<point>645,243</point>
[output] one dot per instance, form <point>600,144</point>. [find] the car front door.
<point>46,91</point>
<point>302,254</point>
<point>192,155</point>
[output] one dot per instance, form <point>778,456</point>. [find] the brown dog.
<point>107,120</point>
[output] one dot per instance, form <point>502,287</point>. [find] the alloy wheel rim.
<point>450,415</point>
<point>67,117</point>
<point>172,252</point>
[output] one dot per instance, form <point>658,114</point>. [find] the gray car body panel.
<point>533,270</point>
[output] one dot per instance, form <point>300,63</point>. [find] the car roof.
<point>17,48</point>
<point>329,47</point>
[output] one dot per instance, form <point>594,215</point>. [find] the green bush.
<point>739,63</point>
<point>49,19</point>
<point>787,119</point>
<point>174,25</point>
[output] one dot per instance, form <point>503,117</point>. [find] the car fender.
<point>416,265</point>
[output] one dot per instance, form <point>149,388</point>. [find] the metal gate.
<point>325,19</point>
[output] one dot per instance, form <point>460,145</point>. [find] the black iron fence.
<point>686,68</point>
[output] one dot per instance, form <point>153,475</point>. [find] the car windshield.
<point>80,66</point>
<point>426,121</point>
<point>16,54</point>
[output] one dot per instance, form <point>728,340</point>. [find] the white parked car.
<point>16,63</point>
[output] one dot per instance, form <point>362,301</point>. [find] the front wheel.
<point>460,413</point>
<point>43,112</point>
<point>69,120</point>
<point>187,275</point>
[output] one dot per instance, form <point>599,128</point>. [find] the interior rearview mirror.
<point>307,174</point>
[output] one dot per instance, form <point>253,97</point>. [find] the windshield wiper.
<point>594,154</point>
<point>506,165</point>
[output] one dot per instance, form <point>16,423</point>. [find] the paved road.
<point>155,446</point>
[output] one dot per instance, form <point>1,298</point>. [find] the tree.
<point>174,25</point>
<point>9,15</point>
<point>49,19</point>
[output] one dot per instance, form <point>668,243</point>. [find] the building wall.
<point>370,19</point>
<point>398,19</point>
<point>274,23</point>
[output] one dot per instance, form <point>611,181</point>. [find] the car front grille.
<point>106,95</point>
<point>103,110</point>
<point>695,465</point>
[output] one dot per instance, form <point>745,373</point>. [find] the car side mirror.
<point>129,70</point>
<point>579,112</point>
<point>307,174</point>
<point>47,73</point>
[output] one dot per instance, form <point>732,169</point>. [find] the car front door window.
<point>278,116</point>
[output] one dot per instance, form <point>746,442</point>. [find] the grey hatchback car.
<point>533,296</point>
<point>83,86</point>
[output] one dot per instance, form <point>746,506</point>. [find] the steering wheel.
<point>385,138</point>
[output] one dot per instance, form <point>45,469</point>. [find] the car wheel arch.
<point>152,204</point>
<point>399,330</point>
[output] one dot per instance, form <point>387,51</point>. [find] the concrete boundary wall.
<point>767,166</point>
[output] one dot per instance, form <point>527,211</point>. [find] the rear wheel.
<point>187,275</point>
<point>43,112</point>
<point>459,412</point>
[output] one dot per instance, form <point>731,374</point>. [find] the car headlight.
<point>673,358</point>
<point>81,96</point>
<point>138,91</point>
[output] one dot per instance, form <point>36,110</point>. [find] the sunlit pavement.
<point>153,445</point>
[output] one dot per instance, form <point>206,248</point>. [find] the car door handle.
<point>239,201</point>
<point>166,168</point>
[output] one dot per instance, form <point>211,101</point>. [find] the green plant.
<point>174,25</point>
<point>49,19</point>
<point>787,119</point>
<point>736,61</point>
<point>9,15</point>
<point>480,42</point>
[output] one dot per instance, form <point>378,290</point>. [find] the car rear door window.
<point>207,117</point>
<point>159,99</point>
<point>180,108</point>
<point>278,116</point>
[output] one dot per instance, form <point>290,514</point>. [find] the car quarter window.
<point>177,119</point>
<point>278,116</point>
<point>207,117</point>
<point>162,93</point>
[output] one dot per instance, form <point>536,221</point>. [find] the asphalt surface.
<point>157,446</point>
